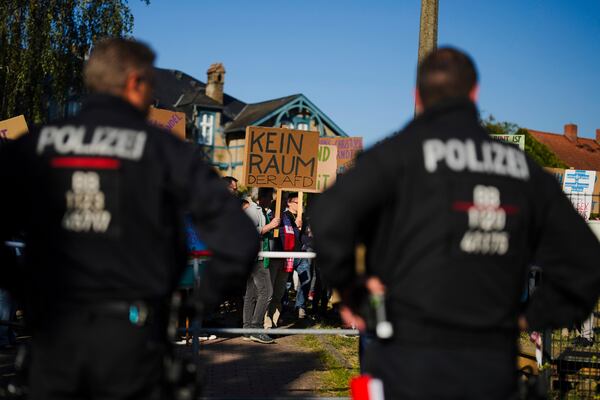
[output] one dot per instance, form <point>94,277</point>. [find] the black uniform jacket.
<point>451,220</point>
<point>102,197</point>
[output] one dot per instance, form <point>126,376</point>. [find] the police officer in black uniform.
<point>102,198</point>
<point>451,219</point>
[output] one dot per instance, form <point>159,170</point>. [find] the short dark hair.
<point>112,59</point>
<point>444,74</point>
<point>291,195</point>
<point>229,179</point>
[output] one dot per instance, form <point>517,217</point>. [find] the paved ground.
<point>239,369</point>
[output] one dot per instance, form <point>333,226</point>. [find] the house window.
<point>302,126</point>
<point>301,122</point>
<point>206,127</point>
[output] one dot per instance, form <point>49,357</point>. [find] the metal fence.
<point>588,205</point>
<point>573,356</point>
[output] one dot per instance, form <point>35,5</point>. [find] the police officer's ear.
<point>418,102</point>
<point>474,93</point>
<point>138,90</point>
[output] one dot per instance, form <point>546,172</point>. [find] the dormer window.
<point>302,126</point>
<point>301,123</point>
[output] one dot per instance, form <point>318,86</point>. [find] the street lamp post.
<point>428,28</point>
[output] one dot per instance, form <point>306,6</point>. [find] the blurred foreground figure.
<point>451,219</point>
<point>102,198</point>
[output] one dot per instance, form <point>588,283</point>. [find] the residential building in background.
<point>217,121</point>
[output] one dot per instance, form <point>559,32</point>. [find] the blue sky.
<point>538,60</point>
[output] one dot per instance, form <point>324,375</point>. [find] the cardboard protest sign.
<point>281,158</point>
<point>12,128</point>
<point>347,150</point>
<point>517,140</point>
<point>326,167</point>
<point>172,121</point>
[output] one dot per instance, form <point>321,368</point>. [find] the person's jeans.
<point>303,270</point>
<point>278,279</point>
<point>259,292</point>
<point>7,336</point>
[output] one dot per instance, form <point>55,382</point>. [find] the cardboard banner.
<point>171,121</point>
<point>281,158</point>
<point>347,150</point>
<point>579,186</point>
<point>326,168</point>
<point>517,140</point>
<point>12,128</point>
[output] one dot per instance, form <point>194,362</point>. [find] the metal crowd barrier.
<point>196,329</point>
<point>279,331</point>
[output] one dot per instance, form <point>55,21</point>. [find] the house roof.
<point>256,111</point>
<point>583,153</point>
<point>176,89</point>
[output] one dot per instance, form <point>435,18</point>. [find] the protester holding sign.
<point>259,288</point>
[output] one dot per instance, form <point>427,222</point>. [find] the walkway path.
<point>241,369</point>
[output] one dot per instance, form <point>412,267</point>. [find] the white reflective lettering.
<point>433,151</point>
<point>455,155</point>
<point>496,158</point>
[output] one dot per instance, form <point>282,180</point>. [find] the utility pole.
<point>428,28</point>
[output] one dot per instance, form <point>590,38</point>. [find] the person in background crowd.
<point>231,184</point>
<point>292,241</point>
<point>281,268</point>
<point>102,198</point>
<point>259,288</point>
<point>451,220</point>
<point>304,270</point>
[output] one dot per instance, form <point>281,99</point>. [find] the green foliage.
<point>534,149</point>
<point>540,153</point>
<point>43,44</point>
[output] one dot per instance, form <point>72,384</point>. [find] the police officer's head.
<point>123,68</point>
<point>445,74</point>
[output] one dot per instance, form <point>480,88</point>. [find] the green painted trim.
<point>299,104</point>
<point>325,117</point>
<point>220,165</point>
<point>302,102</point>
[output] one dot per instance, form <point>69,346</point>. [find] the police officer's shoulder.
<point>391,149</point>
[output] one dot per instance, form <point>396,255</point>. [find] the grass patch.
<point>335,377</point>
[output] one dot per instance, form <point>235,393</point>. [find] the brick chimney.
<point>598,136</point>
<point>215,81</point>
<point>571,132</point>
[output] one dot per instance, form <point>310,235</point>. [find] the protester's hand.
<point>275,222</point>
<point>299,222</point>
<point>352,320</point>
